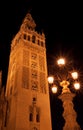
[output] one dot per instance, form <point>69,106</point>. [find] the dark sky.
<point>63,27</point>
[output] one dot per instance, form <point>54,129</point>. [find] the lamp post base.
<point>69,114</point>
<point>66,127</point>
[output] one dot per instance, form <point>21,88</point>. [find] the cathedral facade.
<point>25,102</point>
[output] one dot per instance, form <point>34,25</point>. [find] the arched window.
<point>33,39</point>
<point>37,117</point>
<point>38,42</point>
<point>24,36</point>
<point>28,38</point>
<point>42,44</point>
<point>31,117</point>
<point>37,114</point>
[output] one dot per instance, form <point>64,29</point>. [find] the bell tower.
<point>27,92</point>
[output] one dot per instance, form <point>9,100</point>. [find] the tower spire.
<point>28,22</point>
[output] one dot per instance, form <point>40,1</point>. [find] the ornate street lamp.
<point>65,79</point>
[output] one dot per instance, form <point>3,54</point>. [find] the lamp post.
<point>65,79</point>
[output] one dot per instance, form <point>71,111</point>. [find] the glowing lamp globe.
<point>54,89</point>
<point>74,75</point>
<point>50,79</point>
<point>77,85</point>
<point>61,61</point>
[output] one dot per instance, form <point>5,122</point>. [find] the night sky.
<point>63,27</point>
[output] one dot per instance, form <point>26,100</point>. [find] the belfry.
<point>27,92</point>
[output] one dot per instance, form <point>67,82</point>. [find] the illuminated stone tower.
<point>27,92</point>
